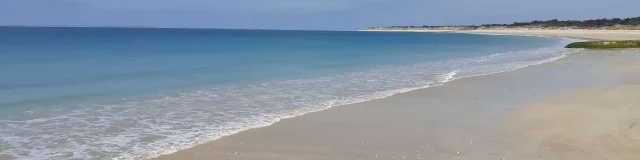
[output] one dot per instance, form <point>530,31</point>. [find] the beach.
<point>578,107</point>
<point>583,34</point>
<point>586,34</point>
<point>595,123</point>
<point>311,95</point>
<point>199,85</point>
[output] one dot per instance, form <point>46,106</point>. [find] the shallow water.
<point>121,93</point>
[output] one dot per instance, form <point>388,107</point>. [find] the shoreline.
<point>582,34</point>
<point>395,93</point>
<point>309,121</point>
<point>449,78</point>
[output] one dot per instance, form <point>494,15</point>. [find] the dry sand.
<point>578,108</point>
<point>585,34</point>
<point>590,124</point>
<point>593,123</point>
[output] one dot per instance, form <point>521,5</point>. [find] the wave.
<point>153,126</point>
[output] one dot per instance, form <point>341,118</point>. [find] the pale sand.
<point>594,123</point>
<point>473,118</point>
<point>588,34</point>
<point>590,124</point>
<point>463,119</point>
<point>585,34</point>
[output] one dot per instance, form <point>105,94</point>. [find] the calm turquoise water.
<point>95,93</point>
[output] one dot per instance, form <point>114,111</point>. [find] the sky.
<point>301,14</point>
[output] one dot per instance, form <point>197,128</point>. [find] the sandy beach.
<point>595,123</point>
<point>580,107</point>
<point>585,34</point>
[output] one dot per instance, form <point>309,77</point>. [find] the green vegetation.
<point>592,23</point>
<point>605,44</point>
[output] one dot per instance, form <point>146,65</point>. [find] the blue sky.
<point>302,14</point>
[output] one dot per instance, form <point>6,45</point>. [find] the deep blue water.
<point>188,86</point>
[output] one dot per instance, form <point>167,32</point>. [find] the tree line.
<point>635,21</point>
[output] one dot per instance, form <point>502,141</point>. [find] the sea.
<point>127,93</point>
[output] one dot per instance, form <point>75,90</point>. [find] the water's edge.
<point>90,94</point>
<point>443,79</point>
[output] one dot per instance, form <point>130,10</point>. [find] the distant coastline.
<point>592,24</point>
<point>599,29</point>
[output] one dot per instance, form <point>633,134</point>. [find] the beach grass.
<point>606,44</point>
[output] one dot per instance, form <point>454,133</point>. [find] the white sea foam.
<point>152,126</point>
<point>446,77</point>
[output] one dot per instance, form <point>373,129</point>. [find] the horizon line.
<point>151,27</point>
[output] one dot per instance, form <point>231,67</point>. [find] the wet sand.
<point>535,113</point>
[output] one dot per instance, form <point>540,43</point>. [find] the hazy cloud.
<point>301,14</point>
<point>269,6</point>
